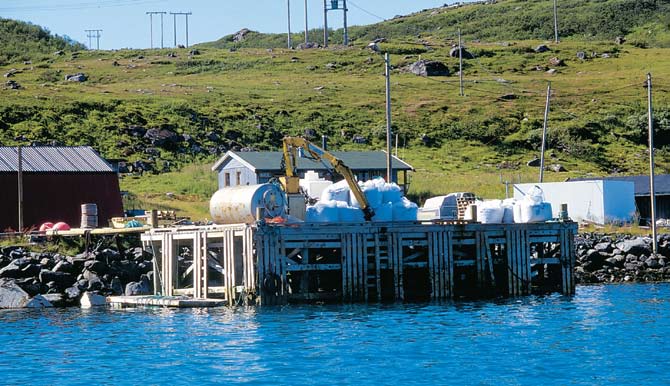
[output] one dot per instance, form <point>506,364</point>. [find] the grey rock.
<point>542,48</point>
<point>535,162</point>
<point>78,77</point>
<point>557,168</point>
<point>603,247</point>
<point>116,286</point>
<point>556,62</point>
<point>455,52</point>
<point>635,246</point>
<point>620,40</point>
<point>138,288</point>
<point>652,263</point>
<point>89,300</point>
<point>56,299</point>
<point>73,292</point>
<point>13,296</point>
<point>429,68</point>
<point>97,267</point>
<point>62,280</point>
<point>581,55</point>
<point>241,35</point>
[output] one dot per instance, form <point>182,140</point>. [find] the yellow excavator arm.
<point>291,181</point>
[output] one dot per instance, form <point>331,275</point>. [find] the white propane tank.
<point>238,204</point>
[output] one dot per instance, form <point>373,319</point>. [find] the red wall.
<point>58,197</point>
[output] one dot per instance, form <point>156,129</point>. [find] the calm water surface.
<point>617,334</point>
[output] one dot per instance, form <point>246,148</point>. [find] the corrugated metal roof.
<point>53,159</point>
<point>661,183</point>
<point>355,160</point>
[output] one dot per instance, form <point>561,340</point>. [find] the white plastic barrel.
<point>239,204</point>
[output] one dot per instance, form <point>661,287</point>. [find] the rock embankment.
<point>31,279</point>
<point>616,259</point>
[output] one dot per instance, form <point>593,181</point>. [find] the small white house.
<point>598,201</point>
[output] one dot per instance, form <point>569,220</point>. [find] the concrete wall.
<point>594,201</point>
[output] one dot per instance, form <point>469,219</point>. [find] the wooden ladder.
<point>377,255</point>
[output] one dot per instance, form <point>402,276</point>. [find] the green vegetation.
<point>21,41</point>
<point>218,99</point>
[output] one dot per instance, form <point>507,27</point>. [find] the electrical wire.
<point>79,6</point>
<point>366,11</point>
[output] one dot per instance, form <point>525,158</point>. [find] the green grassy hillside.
<point>200,104</point>
<point>643,22</point>
<point>21,41</point>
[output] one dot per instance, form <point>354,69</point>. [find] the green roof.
<point>355,160</point>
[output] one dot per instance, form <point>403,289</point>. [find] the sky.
<point>125,24</point>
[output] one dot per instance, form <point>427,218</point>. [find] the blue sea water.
<point>614,334</point>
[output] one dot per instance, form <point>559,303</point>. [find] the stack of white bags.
<point>531,208</point>
<point>338,204</point>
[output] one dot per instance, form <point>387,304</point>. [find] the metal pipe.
<point>544,132</point>
<point>387,61</point>
<point>652,191</point>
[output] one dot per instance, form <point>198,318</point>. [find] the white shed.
<point>598,201</point>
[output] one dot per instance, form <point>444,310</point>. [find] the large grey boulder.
<point>12,296</point>
<point>429,68</point>
<point>139,288</point>
<point>78,77</point>
<point>457,51</point>
<point>635,246</point>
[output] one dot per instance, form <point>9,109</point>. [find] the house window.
<point>238,179</point>
<point>226,179</point>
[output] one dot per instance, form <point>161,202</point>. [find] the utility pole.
<point>652,191</point>
<point>20,186</point>
<point>387,62</point>
<point>174,15</point>
<point>555,22</point>
<point>306,37</point>
<point>346,28</point>
<point>544,132</point>
<point>325,23</point>
<point>151,21</point>
<point>93,33</point>
<point>335,6</point>
<point>288,8</point>
<point>460,63</point>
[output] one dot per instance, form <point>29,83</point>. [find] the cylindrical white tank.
<point>239,204</point>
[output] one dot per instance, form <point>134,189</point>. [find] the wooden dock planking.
<point>367,261</point>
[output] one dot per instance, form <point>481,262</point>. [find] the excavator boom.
<point>291,144</point>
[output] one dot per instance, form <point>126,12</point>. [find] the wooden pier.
<point>278,264</point>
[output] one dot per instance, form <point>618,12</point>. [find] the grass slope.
<point>20,41</point>
<point>644,22</point>
<point>220,99</point>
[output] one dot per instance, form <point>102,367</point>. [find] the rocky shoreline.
<point>621,259</point>
<point>31,279</point>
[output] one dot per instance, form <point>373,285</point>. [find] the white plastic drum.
<point>239,204</point>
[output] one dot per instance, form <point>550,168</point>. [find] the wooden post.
<point>652,191</point>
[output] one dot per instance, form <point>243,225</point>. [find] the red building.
<point>56,181</point>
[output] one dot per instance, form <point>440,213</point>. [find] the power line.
<point>366,11</point>
<point>79,6</point>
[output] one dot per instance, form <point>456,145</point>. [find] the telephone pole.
<point>151,28</point>
<point>288,8</point>
<point>335,5</point>
<point>306,29</point>
<point>174,15</point>
<point>555,22</point>
<point>93,33</point>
